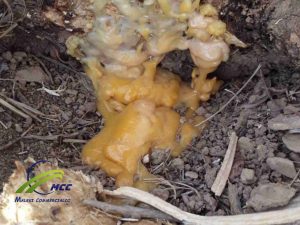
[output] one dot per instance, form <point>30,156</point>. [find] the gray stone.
<point>263,152</point>
<point>68,100</point>
<point>245,144</point>
<point>18,128</point>
<point>248,176</point>
<point>292,142</point>
<point>177,163</point>
<point>283,122</point>
<point>283,166</point>
<point>267,196</point>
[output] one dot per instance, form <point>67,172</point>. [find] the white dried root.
<point>287,215</point>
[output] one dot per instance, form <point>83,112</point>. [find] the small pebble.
<point>19,56</point>
<point>177,163</point>
<point>191,174</point>
<point>68,100</point>
<point>7,56</point>
<point>245,144</point>
<point>18,128</point>
<point>248,176</point>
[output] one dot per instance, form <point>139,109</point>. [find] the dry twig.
<point>2,124</point>
<point>223,174</point>
<point>15,110</point>
<point>295,178</point>
<point>66,138</point>
<point>8,30</point>
<point>27,109</point>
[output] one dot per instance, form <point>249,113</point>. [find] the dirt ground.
<point>67,118</point>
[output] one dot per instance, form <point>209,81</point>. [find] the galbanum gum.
<point>123,44</point>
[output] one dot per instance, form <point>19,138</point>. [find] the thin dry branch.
<point>66,138</point>
<point>8,30</point>
<point>223,174</point>
<point>27,109</point>
<point>15,110</point>
<point>9,144</point>
<point>233,97</point>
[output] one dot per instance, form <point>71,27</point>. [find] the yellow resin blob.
<point>136,98</point>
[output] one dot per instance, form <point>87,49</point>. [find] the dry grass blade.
<point>66,138</point>
<point>9,144</point>
<point>26,108</point>
<point>223,174</point>
<point>233,97</point>
<point>8,30</point>
<point>127,210</point>
<point>15,110</point>
<point>289,215</point>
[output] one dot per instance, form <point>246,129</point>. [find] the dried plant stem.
<point>66,138</point>
<point>223,174</point>
<point>8,30</point>
<point>127,210</point>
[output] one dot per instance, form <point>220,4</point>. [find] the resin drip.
<point>136,98</point>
